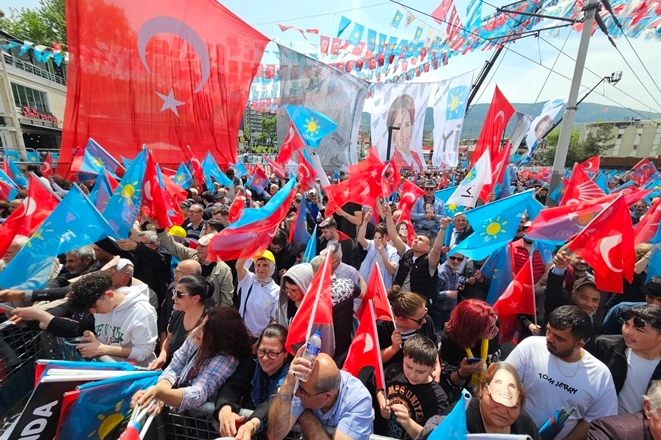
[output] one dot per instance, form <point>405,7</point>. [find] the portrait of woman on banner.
<point>402,114</point>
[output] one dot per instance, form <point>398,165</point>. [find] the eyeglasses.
<point>430,189</point>
<point>269,354</point>
<point>637,321</point>
<point>304,395</point>
<point>179,294</point>
<point>459,259</point>
<point>417,321</point>
<point>292,292</point>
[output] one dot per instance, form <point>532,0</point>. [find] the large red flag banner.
<point>164,73</point>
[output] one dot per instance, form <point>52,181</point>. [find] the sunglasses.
<point>417,321</point>
<point>637,321</point>
<point>459,259</point>
<point>180,295</point>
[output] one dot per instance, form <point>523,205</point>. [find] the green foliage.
<point>269,133</point>
<point>593,145</point>
<point>41,25</point>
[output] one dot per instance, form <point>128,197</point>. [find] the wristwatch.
<point>284,397</point>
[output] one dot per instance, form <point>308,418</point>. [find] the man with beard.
<point>557,372</point>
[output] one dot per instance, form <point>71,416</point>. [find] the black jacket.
<point>610,349</point>
<point>58,287</point>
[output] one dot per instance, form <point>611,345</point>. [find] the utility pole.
<point>569,116</point>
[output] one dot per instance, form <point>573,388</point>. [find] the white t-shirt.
<point>552,384</point>
<point>373,256</point>
<point>259,305</point>
<point>639,372</point>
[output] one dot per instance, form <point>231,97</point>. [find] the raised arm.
<point>363,230</point>
<point>392,231</point>
<point>435,253</point>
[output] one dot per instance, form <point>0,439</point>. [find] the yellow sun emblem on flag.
<point>108,423</point>
<point>127,191</point>
<point>97,162</point>
<point>493,228</point>
<point>39,234</point>
<point>312,126</point>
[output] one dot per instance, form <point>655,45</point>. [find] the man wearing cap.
<point>428,211</point>
<point>331,235</point>
<point>652,292</point>
<point>584,294</point>
<point>257,292</point>
<point>634,359</point>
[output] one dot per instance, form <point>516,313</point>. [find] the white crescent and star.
<point>290,136</point>
<point>605,247</point>
<point>147,190</point>
<point>171,25</point>
<point>29,206</point>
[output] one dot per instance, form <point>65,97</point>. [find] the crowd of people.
<point>217,329</point>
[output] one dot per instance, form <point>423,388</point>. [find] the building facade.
<point>633,138</point>
<point>32,101</point>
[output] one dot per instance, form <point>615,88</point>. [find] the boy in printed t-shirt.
<point>412,396</point>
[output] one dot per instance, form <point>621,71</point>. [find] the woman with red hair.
<point>469,345</point>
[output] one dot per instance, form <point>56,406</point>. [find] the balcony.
<point>31,68</point>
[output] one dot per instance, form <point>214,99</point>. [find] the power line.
<point>484,88</point>
<point>322,15</point>
<point>550,71</point>
<point>522,56</point>
<point>639,59</point>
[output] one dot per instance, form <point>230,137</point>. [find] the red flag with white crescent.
<point>154,203</point>
<point>292,143</point>
<point>364,350</point>
<point>47,166</point>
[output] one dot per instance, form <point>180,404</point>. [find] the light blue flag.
<point>240,170</point>
<point>311,125</point>
<point>453,425</point>
<point>654,266</point>
<point>397,19</point>
<point>211,169</point>
<point>495,224</point>
<point>124,205</point>
<point>443,195</point>
<point>102,405</point>
<point>107,159</point>
<point>356,34</point>
<point>344,23</point>
<point>498,268</point>
<point>101,192</point>
<point>126,162</point>
<point>602,182</point>
<point>183,177</point>
<point>15,173</point>
<point>534,207</point>
<point>311,248</point>
<point>371,40</point>
<point>75,222</point>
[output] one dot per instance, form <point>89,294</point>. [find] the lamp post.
<point>390,130</point>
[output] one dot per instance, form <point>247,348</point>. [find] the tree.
<point>269,129</point>
<point>41,25</point>
<point>593,145</point>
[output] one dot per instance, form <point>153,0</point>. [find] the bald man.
<point>330,400</point>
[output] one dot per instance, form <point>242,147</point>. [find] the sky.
<point>517,72</point>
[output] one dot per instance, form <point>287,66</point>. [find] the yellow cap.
<point>178,231</point>
<point>266,255</point>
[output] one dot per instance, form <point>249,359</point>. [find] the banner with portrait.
<point>404,107</point>
<point>449,103</point>
<point>335,94</point>
<point>521,128</point>
<point>542,123</point>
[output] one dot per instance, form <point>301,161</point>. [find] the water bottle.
<point>312,349</point>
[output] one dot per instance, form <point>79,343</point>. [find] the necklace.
<point>560,370</point>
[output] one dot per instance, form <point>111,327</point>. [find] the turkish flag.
<point>500,111</point>
<point>165,73</point>
<point>518,298</point>
<point>350,190</point>
<point>292,142</point>
<point>591,165</point>
<point>376,292</point>
<point>316,309</point>
<point>365,350</point>
<point>580,188</point>
<point>237,207</point>
<point>47,166</point>
<point>154,203</point>
<point>276,167</point>
<point>644,171</point>
<point>499,166</point>
<point>196,166</point>
<point>648,227</point>
<point>441,11</point>
<point>606,244</point>
<point>175,196</point>
<point>410,193</point>
<point>29,215</point>
<point>306,173</point>
<point>376,173</point>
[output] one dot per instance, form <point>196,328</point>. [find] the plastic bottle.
<point>312,348</point>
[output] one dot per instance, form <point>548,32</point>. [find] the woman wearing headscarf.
<point>257,292</point>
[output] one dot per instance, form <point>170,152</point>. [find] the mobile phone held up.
<point>473,360</point>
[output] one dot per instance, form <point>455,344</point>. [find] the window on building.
<point>29,97</point>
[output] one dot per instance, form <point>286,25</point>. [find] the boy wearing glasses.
<point>412,397</point>
<point>638,350</point>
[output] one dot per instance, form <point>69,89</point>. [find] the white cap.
<point>123,262</point>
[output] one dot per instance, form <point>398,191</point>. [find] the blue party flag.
<point>299,231</point>
<point>453,425</point>
<point>356,34</point>
<point>14,173</point>
<point>90,165</point>
<point>654,265</point>
<point>601,182</point>
<point>499,269</point>
<point>97,151</point>
<point>126,162</point>
<point>8,189</point>
<point>371,40</point>
<point>344,23</point>
<point>101,192</point>
<point>443,195</point>
<point>311,248</point>
<point>183,177</point>
<point>397,19</point>
<point>495,224</point>
<point>624,186</point>
<point>311,125</point>
<point>102,405</point>
<point>124,205</point>
<point>240,170</point>
<point>211,169</point>
<point>75,222</point>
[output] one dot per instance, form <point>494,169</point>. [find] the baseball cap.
<point>585,281</point>
<point>265,255</point>
<point>430,184</point>
<point>123,262</point>
<point>177,231</point>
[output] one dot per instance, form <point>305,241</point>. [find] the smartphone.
<point>473,360</point>
<point>74,341</point>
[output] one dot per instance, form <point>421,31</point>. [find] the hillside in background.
<point>587,112</point>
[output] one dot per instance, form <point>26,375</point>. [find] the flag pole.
<point>376,342</point>
<point>324,269</point>
<point>534,297</point>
